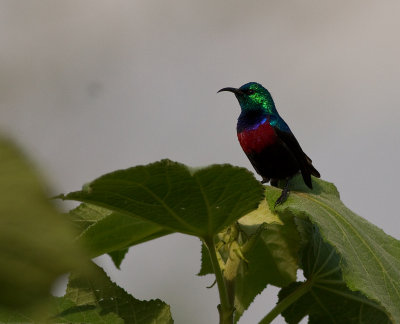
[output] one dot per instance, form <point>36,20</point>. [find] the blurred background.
<point>87,87</point>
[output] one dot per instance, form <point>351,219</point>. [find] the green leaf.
<point>35,241</point>
<point>249,224</point>
<point>327,300</point>
<point>370,258</point>
<point>198,202</point>
<point>272,258</point>
<point>96,299</point>
<point>105,231</point>
<point>263,250</point>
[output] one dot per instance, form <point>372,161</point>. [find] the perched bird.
<point>268,141</point>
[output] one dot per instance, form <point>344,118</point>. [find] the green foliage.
<point>328,299</point>
<point>352,268</point>
<point>96,299</point>
<point>104,231</point>
<point>370,259</point>
<point>271,259</point>
<point>197,202</point>
<point>35,242</point>
<point>263,246</point>
<point>266,254</point>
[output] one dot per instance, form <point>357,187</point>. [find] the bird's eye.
<point>250,91</point>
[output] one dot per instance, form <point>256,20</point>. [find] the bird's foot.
<point>284,195</point>
<point>282,198</point>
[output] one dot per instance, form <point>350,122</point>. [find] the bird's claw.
<point>284,195</point>
<point>282,198</point>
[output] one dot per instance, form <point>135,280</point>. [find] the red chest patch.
<point>254,140</point>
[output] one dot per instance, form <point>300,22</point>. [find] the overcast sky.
<point>87,87</point>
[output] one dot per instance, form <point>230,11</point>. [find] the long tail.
<point>307,169</point>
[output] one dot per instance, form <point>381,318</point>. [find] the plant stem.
<point>286,302</point>
<point>225,307</point>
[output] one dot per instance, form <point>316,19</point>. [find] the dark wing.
<point>304,161</point>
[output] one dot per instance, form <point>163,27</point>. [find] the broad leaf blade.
<point>262,250</point>
<point>370,258</point>
<point>197,202</point>
<point>105,231</point>
<point>272,258</point>
<point>250,225</point>
<point>97,299</point>
<point>328,300</point>
<point>35,242</point>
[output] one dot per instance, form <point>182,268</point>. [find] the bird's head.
<point>253,96</point>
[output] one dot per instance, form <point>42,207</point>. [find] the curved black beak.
<point>234,90</point>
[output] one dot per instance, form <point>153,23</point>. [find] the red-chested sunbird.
<point>267,140</point>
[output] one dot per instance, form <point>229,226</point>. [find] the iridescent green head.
<point>253,96</point>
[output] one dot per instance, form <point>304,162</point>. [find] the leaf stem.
<point>286,302</point>
<point>225,307</point>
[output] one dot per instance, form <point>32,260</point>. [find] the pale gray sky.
<point>87,87</point>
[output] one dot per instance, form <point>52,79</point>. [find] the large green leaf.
<point>97,292</point>
<point>327,298</point>
<point>370,259</point>
<point>93,298</point>
<point>96,299</point>
<point>198,202</point>
<point>105,231</point>
<point>35,242</point>
<point>262,250</point>
<point>249,225</point>
<point>271,258</point>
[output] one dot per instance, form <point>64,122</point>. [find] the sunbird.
<point>267,140</point>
